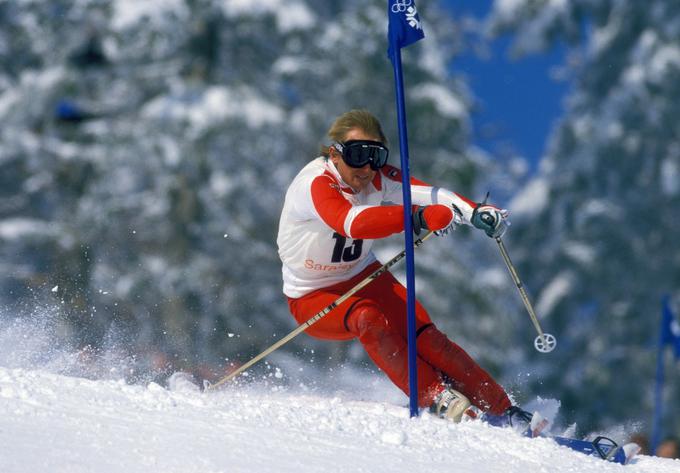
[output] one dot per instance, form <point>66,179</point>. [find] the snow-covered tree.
<point>147,146</point>
<point>598,226</point>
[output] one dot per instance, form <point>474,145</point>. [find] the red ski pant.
<point>377,316</point>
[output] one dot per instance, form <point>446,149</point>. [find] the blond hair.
<point>358,118</point>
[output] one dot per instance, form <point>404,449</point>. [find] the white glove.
<point>492,220</point>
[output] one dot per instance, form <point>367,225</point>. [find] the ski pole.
<point>302,327</point>
<point>545,342</point>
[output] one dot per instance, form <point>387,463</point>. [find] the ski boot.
<point>452,405</point>
<point>530,425</point>
<point>513,416</point>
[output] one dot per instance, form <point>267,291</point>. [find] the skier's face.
<point>357,178</point>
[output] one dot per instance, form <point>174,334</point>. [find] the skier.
<point>334,208</point>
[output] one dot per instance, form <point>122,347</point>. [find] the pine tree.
<point>597,225</point>
<point>145,160</point>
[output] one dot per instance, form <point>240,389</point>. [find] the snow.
<point>289,15</point>
<point>447,103</point>
<point>288,65</point>
<point>493,277</point>
<point>596,208</point>
<point>130,12</point>
<point>21,227</point>
<point>508,8</point>
<point>666,57</point>
<point>532,199</point>
<point>57,423</point>
<point>670,176</point>
<point>581,252</point>
<point>68,410</point>
<point>556,290</point>
<point>532,36</point>
<point>651,60</point>
<point>215,103</point>
<point>603,36</point>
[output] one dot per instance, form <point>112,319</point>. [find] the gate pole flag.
<point>404,29</point>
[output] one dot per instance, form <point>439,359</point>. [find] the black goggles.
<point>359,153</point>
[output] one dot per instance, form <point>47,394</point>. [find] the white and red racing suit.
<point>325,236</point>
<point>327,229</point>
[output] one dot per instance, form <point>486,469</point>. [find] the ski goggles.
<point>359,153</point>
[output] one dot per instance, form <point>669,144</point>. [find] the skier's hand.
<point>431,217</point>
<point>491,219</point>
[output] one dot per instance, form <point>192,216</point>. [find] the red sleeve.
<point>438,216</point>
<point>378,222</point>
<point>331,206</point>
<point>371,223</point>
<point>385,220</point>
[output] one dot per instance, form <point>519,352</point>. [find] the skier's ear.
<point>334,154</point>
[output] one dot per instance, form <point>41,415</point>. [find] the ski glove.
<point>431,217</point>
<point>490,219</point>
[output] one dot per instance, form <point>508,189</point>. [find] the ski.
<point>601,447</point>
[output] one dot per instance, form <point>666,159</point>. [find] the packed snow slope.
<point>55,423</point>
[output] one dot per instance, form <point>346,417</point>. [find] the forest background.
<point>146,147</point>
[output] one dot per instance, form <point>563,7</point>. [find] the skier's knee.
<point>366,318</point>
<point>430,336</point>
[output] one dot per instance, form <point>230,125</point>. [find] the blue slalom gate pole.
<point>669,334</point>
<point>658,396</point>
<point>408,238</point>
<point>404,29</point>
